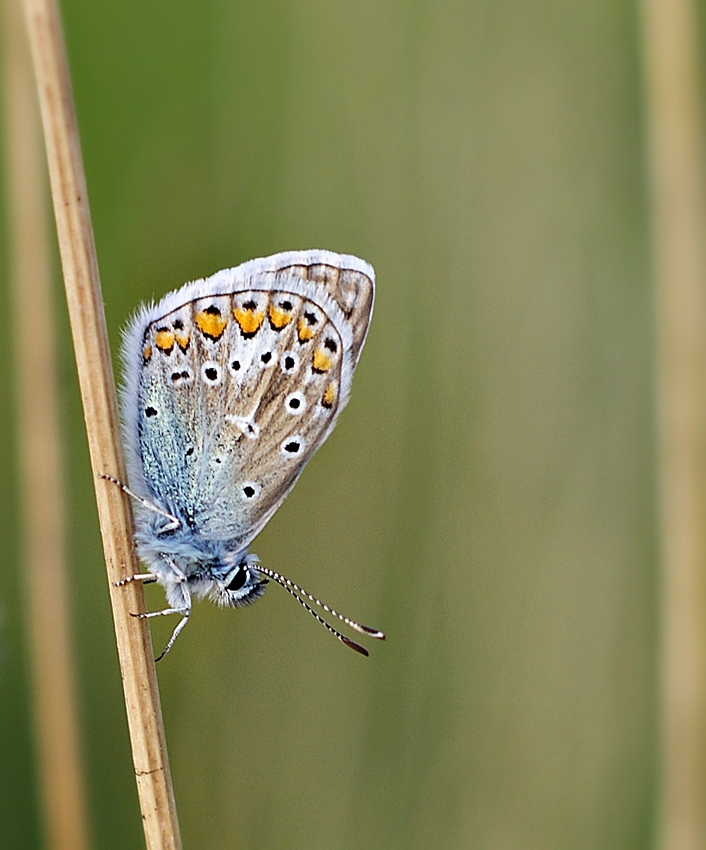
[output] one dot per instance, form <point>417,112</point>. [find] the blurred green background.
<point>488,498</point>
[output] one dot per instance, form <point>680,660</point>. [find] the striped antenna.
<point>297,592</point>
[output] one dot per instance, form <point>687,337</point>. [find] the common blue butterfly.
<point>231,383</point>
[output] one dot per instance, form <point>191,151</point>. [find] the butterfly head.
<point>241,585</point>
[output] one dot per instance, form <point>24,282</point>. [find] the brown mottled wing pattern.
<point>238,389</point>
<point>351,289</point>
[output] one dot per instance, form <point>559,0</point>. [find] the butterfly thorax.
<point>189,564</point>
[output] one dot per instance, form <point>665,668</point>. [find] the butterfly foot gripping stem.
<point>185,614</point>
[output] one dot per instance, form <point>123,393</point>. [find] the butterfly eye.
<point>238,580</point>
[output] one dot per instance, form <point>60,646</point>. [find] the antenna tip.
<point>366,630</point>
<point>353,645</point>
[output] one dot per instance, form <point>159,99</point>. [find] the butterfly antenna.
<point>294,590</point>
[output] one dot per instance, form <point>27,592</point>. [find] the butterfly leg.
<point>180,603</point>
<point>145,578</point>
<point>174,522</point>
<point>147,615</point>
<point>175,634</point>
<point>185,614</point>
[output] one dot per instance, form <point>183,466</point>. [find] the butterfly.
<point>230,385</point>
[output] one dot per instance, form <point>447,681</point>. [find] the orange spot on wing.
<point>304,331</point>
<point>322,362</point>
<point>329,395</point>
<point>146,353</point>
<point>182,341</point>
<point>210,324</point>
<point>164,340</point>
<point>279,318</point>
<point>248,320</point>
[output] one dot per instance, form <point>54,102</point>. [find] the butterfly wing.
<point>234,381</point>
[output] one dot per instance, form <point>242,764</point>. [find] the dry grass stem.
<point>678,216</point>
<point>43,516</point>
<point>97,386</point>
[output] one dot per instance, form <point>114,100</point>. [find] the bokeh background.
<point>488,498</point>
